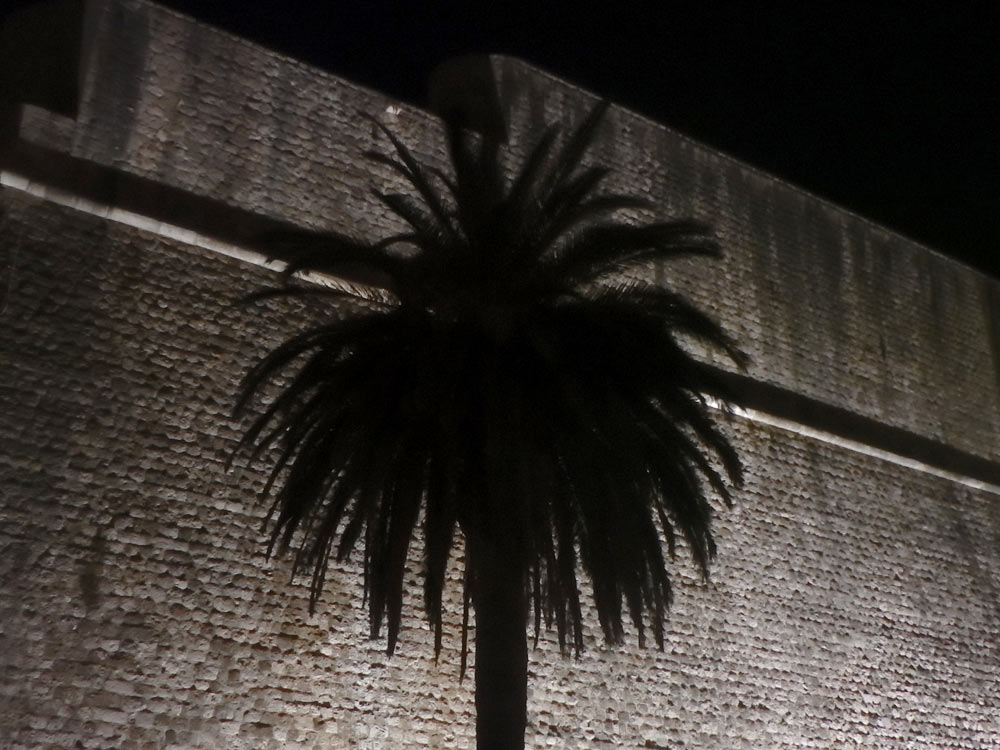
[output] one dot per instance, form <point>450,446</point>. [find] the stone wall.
<point>856,598</point>
<point>831,305</point>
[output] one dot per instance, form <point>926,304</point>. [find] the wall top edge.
<point>70,36</point>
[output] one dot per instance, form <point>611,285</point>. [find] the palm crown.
<point>514,386</point>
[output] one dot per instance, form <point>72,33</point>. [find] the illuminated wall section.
<point>856,598</point>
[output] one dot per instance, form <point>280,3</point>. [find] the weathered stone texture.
<point>855,602</point>
<point>830,305</point>
<point>138,609</point>
<point>191,107</point>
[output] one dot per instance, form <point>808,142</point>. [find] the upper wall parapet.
<point>185,106</point>
<point>199,127</point>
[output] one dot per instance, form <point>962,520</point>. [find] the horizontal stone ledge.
<point>152,206</point>
<point>791,410</point>
<point>228,230</point>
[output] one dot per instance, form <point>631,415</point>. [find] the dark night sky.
<point>891,109</point>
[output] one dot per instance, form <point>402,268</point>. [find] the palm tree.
<point>513,389</point>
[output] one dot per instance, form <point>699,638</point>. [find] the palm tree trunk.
<point>501,608</point>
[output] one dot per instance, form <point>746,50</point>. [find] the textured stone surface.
<point>855,602</point>
<point>830,305</point>
<point>192,107</point>
<point>138,610</point>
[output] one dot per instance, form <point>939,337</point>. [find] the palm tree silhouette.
<point>514,389</point>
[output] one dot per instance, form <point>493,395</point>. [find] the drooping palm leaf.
<point>514,386</point>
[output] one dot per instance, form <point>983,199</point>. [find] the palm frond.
<point>414,172</point>
<point>515,389</point>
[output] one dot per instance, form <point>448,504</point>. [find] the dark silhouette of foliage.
<point>518,386</point>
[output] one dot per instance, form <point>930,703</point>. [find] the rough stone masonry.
<point>856,597</point>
